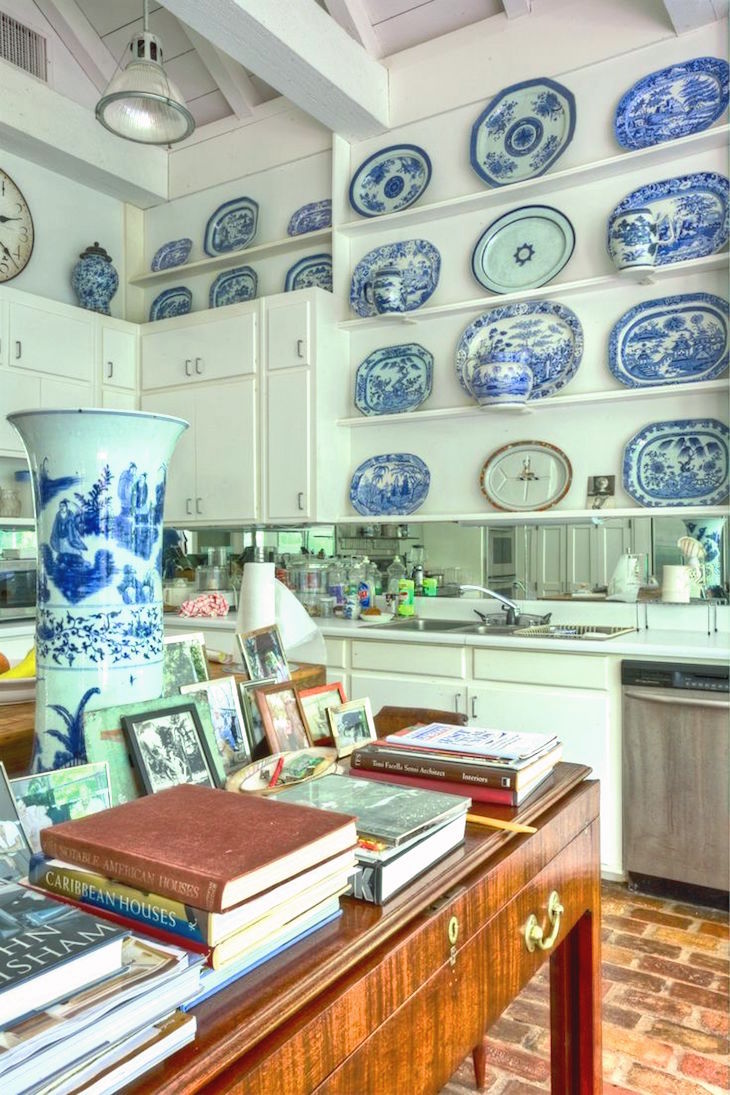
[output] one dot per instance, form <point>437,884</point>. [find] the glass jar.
<point>326,605</point>
<point>336,581</point>
<point>395,572</point>
<point>313,577</point>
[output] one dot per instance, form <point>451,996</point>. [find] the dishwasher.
<point>675,767</point>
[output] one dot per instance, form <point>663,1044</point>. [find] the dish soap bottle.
<point>395,572</point>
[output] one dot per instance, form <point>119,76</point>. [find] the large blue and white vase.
<point>99,491</point>
<point>708,531</point>
<point>94,279</point>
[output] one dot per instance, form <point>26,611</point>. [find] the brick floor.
<point>665,1008</point>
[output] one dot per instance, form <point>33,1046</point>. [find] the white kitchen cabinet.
<point>118,352</point>
<point>188,350</point>
<point>288,333</point>
<point>408,692</point>
<point>118,399</point>
<point>51,338</point>
<point>289,443</point>
<point>18,392</point>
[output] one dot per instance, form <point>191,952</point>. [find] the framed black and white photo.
<point>169,747</point>
<point>352,725</point>
<point>601,489</point>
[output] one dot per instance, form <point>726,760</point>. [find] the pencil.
<point>277,772</point>
<point>495,823</point>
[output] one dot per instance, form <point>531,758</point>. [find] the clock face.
<point>16,229</point>
<point>526,475</point>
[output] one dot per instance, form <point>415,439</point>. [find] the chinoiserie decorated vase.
<point>708,531</point>
<point>504,381</point>
<point>99,491</point>
<point>94,279</point>
<point>633,240</point>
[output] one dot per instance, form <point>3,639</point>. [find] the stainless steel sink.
<point>415,623</point>
<point>489,629</point>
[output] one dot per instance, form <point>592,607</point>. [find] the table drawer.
<point>422,658</point>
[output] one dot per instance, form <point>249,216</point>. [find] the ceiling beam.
<point>234,83</point>
<point>690,14</point>
<point>80,39</point>
<point>513,9</point>
<point>297,48</point>
<point>352,16</point>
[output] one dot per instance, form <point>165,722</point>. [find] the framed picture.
<point>61,795</point>
<point>601,489</point>
<point>315,702</point>
<point>227,718</point>
<point>352,725</point>
<point>263,654</point>
<point>183,662</point>
<point>169,747</point>
<point>281,713</point>
<point>252,716</point>
<point>14,847</point>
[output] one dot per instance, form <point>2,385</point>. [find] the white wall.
<point>65,74</point>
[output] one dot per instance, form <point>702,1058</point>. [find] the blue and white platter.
<point>390,484</point>
<point>679,463</point>
<point>231,227</point>
<point>171,302</point>
<point>551,334</point>
<point>310,218</point>
<point>233,286</point>
<point>672,102</point>
<point>523,249</point>
<point>522,132</point>
<point>394,379</point>
<point>173,253</point>
<point>670,340</point>
<point>691,212</point>
<point>418,261</point>
<point>313,271</point>
<point>390,180</point>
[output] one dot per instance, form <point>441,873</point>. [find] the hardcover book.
<point>502,745</point>
<point>380,879</point>
<point>496,795</point>
<point>202,846</point>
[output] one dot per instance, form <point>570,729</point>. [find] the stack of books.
<point>489,765</point>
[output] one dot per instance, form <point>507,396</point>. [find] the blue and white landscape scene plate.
<point>173,253</point>
<point>691,212</point>
<point>679,463</point>
<point>233,286</point>
<point>310,218</point>
<point>522,132</point>
<point>550,333</point>
<point>394,379</point>
<point>418,261</point>
<point>523,249</point>
<point>231,227</point>
<point>671,340</point>
<point>171,302</point>
<point>311,272</point>
<point>393,483</point>
<point>672,102</point>
<point>390,180</point>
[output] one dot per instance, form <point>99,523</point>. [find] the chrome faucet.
<point>511,608</point>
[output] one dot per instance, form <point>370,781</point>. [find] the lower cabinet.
<point>408,692</point>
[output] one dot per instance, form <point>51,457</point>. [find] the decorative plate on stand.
<point>231,227</point>
<point>418,261</point>
<point>233,286</point>
<point>172,302</point>
<point>672,102</point>
<point>523,249</point>
<point>310,218</point>
<point>390,180</point>
<point>394,379</point>
<point>678,463</point>
<point>526,475</point>
<point>313,271</point>
<point>390,484</point>
<point>174,253</point>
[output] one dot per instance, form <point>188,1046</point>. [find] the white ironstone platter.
<point>390,180</point>
<point>523,249</point>
<point>394,379</point>
<point>678,463</point>
<point>672,102</point>
<point>419,263</point>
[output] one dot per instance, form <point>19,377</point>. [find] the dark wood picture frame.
<point>158,763</point>
<point>282,739</point>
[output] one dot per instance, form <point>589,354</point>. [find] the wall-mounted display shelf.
<point>234,258</point>
<point>498,517</point>
<point>601,283</point>
<point>655,156</point>
<point>17,522</point>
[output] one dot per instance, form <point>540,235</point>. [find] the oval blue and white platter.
<point>171,302</point>
<point>390,180</point>
<point>672,102</point>
<point>313,271</point>
<point>551,333</point>
<point>522,131</point>
<point>173,253</point>
<point>671,340</point>
<point>394,379</point>
<point>692,211</point>
<point>419,262</point>
<point>390,484</point>
<point>678,463</point>
<point>233,286</point>
<point>310,218</point>
<point>523,249</point>
<point>231,227</point>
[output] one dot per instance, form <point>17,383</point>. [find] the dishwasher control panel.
<point>694,678</point>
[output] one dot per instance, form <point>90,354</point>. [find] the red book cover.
<point>477,794</point>
<point>378,756</point>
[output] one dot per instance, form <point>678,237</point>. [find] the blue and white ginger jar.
<point>94,279</point>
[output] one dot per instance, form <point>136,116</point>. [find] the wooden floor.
<point>666,1001</point>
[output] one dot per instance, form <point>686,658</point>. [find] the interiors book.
<point>502,745</point>
<point>205,847</point>
<point>381,757</point>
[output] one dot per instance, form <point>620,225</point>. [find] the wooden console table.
<point>391,999</point>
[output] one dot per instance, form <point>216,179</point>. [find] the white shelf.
<point>491,517</point>
<point>17,522</point>
<point>665,153</point>
<point>553,402</point>
<point>553,289</point>
<point>234,258</point>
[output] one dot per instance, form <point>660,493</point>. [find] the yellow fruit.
<point>26,668</point>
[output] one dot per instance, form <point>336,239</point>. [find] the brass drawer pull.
<point>533,929</point>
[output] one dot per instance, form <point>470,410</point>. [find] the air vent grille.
<point>23,47</point>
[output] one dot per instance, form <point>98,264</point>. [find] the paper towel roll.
<point>675,584</point>
<point>257,605</point>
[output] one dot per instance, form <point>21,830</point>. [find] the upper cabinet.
<point>199,348</point>
<point>50,338</point>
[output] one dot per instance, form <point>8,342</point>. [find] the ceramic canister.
<point>505,381</point>
<point>94,279</point>
<point>633,239</point>
<point>389,291</point>
<point>675,584</point>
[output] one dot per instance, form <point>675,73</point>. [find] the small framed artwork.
<point>169,747</point>
<point>14,847</point>
<point>252,716</point>
<point>601,489</point>
<point>61,795</point>
<point>315,702</point>
<point>183,662</point>
<point>283,718</point>
<point>351,725</point>
<point>227,718</point>
<point>263,654</point>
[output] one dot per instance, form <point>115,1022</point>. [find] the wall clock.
<point>16,229</point>
<point>526,475</point>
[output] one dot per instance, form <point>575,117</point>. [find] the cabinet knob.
<point>188,367</point>
<point>110,370</point>
<point>534,932</point>
<point>300,347</point>
<point>199,366</point>
<point>300,500</point>
<point>198,505</point>
<point>18,349</point>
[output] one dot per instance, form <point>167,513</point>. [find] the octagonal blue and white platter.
<point>172,253</point>
<point>232,226</point>
<point>394,379</point>
<point>683,462</point>
<point>310,272</point>
<point>523,249</point>
<point>171,302</point>
<point>391,179</point>
<point>419,262</point>
<point>233,287</point>
<point>310,218</point>
<point>672,102</point>
<point>390,484</point>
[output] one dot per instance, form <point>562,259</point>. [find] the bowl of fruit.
<point>17,678</point>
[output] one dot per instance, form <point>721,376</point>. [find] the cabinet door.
<point>288,334</point>
<point>50,343</point>
<point>60,393</point>
<point>226,451</point>
<point>117,399</point>
<point>180,488</point>
<point>288,445</point>
<point>17,393</point>
<point>118,357</point>
<point>551,571</point>
<point>407,692</point>
<point>198,352</point>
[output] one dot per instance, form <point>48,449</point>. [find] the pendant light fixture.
<point>140,102</point>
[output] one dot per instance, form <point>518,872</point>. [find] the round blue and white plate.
<point>310,218</point>
<point>419,263</point>
<point>394,379</point>
<point>172,302</point>
<point>233,286</point>
<point>678,463</point>
<point>173,253</point>
<point>390,180</point>
<point>672,102</point>
<point>390,484</point>
<point>522,131</point>
<point>671,340</point>
<point>523,249</point>
<point>311,272</point>
<point>231,227</point>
